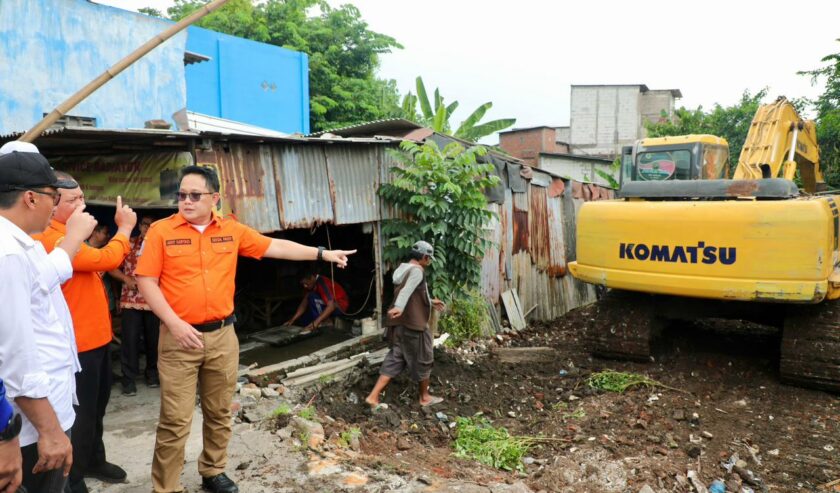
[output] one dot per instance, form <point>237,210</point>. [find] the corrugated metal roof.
<point>354,179</point>
<point>247,176</point>
<point>303,186</point>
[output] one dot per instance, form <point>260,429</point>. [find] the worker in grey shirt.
<point>408,327</point>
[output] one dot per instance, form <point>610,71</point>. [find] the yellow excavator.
<point>684,242</point>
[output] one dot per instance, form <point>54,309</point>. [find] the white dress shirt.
<point>37,346</point>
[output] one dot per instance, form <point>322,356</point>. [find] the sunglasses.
<point>194,196</point>
<point>56,196</point>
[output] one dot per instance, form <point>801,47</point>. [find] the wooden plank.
<point>525,354</point>
<point>512,310</point>
<point>518,305</point>
<point>313,377</point>
<point>306,370</point>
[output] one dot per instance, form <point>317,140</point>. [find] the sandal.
<point>435,400</point>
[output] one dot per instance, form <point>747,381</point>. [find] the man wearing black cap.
<point>37,347</point>
<point>408,327</point>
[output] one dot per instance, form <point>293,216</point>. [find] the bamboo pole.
<point>115,69</point>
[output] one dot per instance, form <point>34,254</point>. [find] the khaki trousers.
<point>214,370</point>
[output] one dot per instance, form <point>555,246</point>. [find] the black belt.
<point>218,324</point>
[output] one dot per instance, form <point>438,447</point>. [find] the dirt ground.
<point>727,400</point>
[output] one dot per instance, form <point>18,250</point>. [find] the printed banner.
<point>143,180</point>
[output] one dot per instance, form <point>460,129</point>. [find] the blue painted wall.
<point>250,82</point>
<point>49,49</point>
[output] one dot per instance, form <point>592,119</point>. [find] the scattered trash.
<point>774,452</point>
<point>829,448</point>
<point>352,398</point>
<point>441,416</point>
<point>717,486</point>
<point>729,464</point>
<point>563,373</point>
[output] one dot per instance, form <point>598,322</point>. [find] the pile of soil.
<point>725,398</point>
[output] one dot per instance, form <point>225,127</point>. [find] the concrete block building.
<point>603,118</point>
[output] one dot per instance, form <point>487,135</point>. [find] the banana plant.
<point>437,117</point>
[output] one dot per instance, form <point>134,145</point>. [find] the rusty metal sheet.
<point>538,229</point>
<point>247,180</point>
<point>303,186</point>
<point>354,181</point>
<point>556,238</point>
<point>556,188</point>
<point>507,225</point>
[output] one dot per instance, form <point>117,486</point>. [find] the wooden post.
<point>377,259</point>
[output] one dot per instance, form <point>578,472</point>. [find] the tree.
<point>732,123</point>
<point>343,53</point>
<point>437,116</point>
<point>440,197</point>
<point>827,106</point>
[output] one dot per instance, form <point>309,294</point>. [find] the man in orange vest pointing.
<point>85,295</point>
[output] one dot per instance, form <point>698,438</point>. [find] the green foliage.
<point>615,167</point>
<point>479,440</point>
<point>282,410</point>
<point>325,379</point>
<point>616,381</point>
<point>437,116</point>
<point>346,437</point>
<point>827,106</point>
<point>150,11</point>
<point>308,413</point>
<point>440,197</point>
<point>731,122</point>
<point>343,52</point>
<point>465,318</point>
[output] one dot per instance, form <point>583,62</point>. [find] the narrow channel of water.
<point>268,355</point>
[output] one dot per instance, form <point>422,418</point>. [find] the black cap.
<point>25,170</point>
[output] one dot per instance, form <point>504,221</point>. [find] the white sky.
<point>524,55</point>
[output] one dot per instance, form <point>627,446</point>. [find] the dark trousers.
<point>137,324</point>
<point>51,481</point>
<point>93,389</point>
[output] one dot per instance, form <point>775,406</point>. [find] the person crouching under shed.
<point>408,327</point>
<point>322,299</point>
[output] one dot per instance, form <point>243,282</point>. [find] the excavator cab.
<point>684,157</point>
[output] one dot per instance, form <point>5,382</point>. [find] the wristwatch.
<point>320,254</point>
<point>12,428</point>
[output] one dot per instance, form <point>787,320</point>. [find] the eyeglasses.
<point>56,196</point>
<point>194,196</point>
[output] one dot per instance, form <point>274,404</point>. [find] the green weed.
<point>616,381</point>
<point>479,440</point>
<point>308,413</point>
<point>347,436</point>
<point>282,410</point>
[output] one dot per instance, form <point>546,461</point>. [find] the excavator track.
<point>624,324</point>
<point>810,355</point>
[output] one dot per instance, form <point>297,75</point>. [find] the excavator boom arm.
<point>778,144</point>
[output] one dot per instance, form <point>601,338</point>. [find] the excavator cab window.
<point>715,162</point>
<point>664,165</point>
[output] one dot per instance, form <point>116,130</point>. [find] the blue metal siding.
<point>57,46</point>
<point>246,81</point>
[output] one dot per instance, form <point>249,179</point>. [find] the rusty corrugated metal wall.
<point>281,186</point>
<point>536,240</point>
